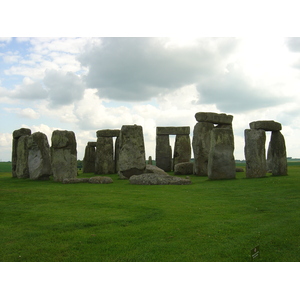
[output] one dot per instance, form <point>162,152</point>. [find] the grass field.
<point>206,221</point>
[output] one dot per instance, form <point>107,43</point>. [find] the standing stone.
<point>132,151</point>
<point>104,163</point>
<point>16,135</point>
<point>63,155</point>
<point>22,169</point>
<point>150,160</point>
<point>201,147</point>
<point>255,153</point>
<point>182,149</point>
<point>89,158</point>
<point>163,152</point>
<point>277,161</point>
<point>39,160</point>
<point>221,163</point>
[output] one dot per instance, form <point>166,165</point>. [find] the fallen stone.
<point>76,180</point>
<point>156,179</point>
<point>185,168</point>
<point>266,125</point>
<point>214,118</point>
<point>155,170</point>
<point>100,180</point>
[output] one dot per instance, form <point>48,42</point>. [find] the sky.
<point>85,84</point>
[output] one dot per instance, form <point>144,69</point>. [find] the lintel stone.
<point>108,133</point>
<point>184,130</point>
<point>91,144</point>
<point>215,118</point>
<point>267,125</point>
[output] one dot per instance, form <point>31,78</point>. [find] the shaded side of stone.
<point>267,125</point>
<point>201,147</point>
<point>108,133</point>
<point>163,152</point>
<point>39,159</point>
<point>89,158</point>
<point>16,135</point>
<point>104,162</point>
<point>221,163</point>
<point>182,149</point>
<point>131,151</point>
<point>277,161</point>
<point>185,168</point>
<point>172,130</point>
<point>22,168</point>
<point>255,153</point>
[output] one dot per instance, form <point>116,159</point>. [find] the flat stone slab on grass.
<point>75,180</point>
<point>267,125</point>
<point>156,179</point>
<point>214,118</point>
<point>100,179</point>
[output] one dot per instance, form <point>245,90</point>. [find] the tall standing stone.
<point>277,161</point>
<point>131,151</point>
<point>221,163</point>
<point>89,158</point>
<point>22,168</point>
<point>182,149</point>
<point>16,135</point>
<point>39,160</point>
<point>163,152</point>
<point>255,153</point>
<point>63,155</point>
<point>201,147</point>
<point>104,163</point>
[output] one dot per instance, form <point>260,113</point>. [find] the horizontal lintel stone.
<point>184,130</point>
<point>92,144</point>
<point>267,125</point>
<point>108,133</point>
<point>215,118</point>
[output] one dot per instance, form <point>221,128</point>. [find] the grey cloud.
<point>133,69</point>
<point>32,91</point>
<point>293,43</point>
<point>63,88</point>
<point>232,93</point>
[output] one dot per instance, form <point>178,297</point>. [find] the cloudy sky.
<point>88,84</point>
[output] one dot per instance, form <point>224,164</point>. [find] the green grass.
<point>206,221</point>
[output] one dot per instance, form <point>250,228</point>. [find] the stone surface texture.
<point>221,163</point>
<point>214,118</point>
<point>89,158</point>
<point>22,167</point>
<point>104,161</point>
<point>201,147</point>
<point>63,155</point>
<point>108,133</point>
<point>100,180</point>
<point>131,151</point>
<point>255,153</point>
<point>157,179</point>
<point>267,125</point>
<point>185,168</point>
<point>182,149</point>
<point>172,130</point>
<point>163,152</point>
<point>39,160</point>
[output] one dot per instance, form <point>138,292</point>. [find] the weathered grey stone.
<point>182,149</point>
<point>163,152</point>
<point>150,160</point>
<point>63,155</point>
<point>39,160</point>
<point>155,170</point>
<point>89,158</point>
<point>132,151</point>
<point>201,147</point>
<point>221,163</point>
<point>108,133</point>
<point>16,135</point>
<point>100,180</point>
<point>172,130</point>
<point>268,125</point>
<point>277,161</point>
<point>239,169</point>
<point>22,168</point>
<point>104,163</point>
<point>157,179</point>
<point>185,168</point>
<point>76,180</point>
<point>214,118</point>
<point>255,153</point>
